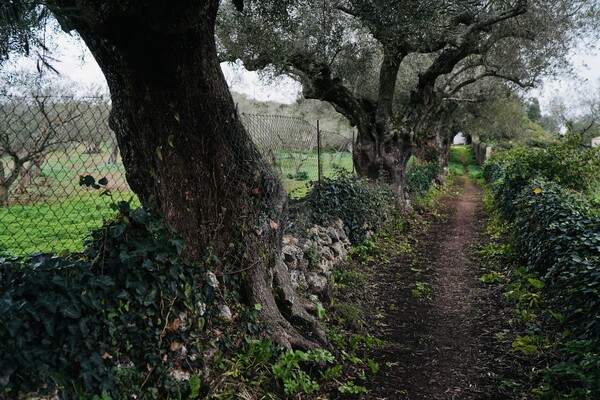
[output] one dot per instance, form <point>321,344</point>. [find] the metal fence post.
<point>352,152</point>
<point>319,167</point>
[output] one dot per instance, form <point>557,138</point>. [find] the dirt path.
<point>433,327</point>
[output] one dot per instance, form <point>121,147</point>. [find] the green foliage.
<point>507,122</point>
<point>420,290</point>
<point>565,163</point>
<point>345,277</point>
<point>455,168</point>
<point>553,222</point>
<point>475,172</point>
<point>557,233</point>
<point>492,277</point>
<point>290,369</point>
<point>577,377</point>
<point>420,176</point>
<point>300,176</point>
<point>351,388</point>
<point>114,319</point>
<point>360,206</point>
<point>462,157</point>
<point>367,253</point>
<point>529,344</point>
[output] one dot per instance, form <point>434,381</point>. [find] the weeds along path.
<point>432,321</point>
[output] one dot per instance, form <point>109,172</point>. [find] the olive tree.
<point>184,147</point>
<point>352,53</point>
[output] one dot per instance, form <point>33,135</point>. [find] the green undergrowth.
<point>361,206</point>
<point>420,177</point>
<point>461,157</point>
<point>546,257</point>
<point>130,317</point>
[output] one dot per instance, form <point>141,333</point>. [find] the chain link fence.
<point>299,151</point>
<point>48,142</point>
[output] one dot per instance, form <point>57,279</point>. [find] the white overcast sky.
<point>75,63</point>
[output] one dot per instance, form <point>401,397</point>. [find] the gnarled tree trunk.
<point>383,158</point>
<point>184,147</point>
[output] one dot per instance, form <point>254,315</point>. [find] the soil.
<point>438,320</point>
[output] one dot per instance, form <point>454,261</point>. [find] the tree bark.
<point>4,187</point>
<point>382,150</point>
<point>183,146</point>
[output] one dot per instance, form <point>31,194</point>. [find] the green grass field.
<point>461,156</point>
<point>56,227</point>
<point>295,183</point>
<point>55,213</point>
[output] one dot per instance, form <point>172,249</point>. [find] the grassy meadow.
<point>462,156</point>
<point>55,214</point>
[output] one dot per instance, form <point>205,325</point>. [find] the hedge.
<point>117,320</point>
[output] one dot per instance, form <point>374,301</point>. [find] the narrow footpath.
<point>436,341</point>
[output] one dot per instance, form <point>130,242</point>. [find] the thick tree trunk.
<point>427,148</point>
<point>185,149</point>
<point>383,159</point>
<point>381,151</point>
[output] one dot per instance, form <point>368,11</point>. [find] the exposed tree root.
<point>292,326</point>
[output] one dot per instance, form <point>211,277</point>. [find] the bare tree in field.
<point>30,128</point>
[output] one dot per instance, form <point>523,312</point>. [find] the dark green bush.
<point>557,235</point>
<point>547,197</point>
<point>115,319</point>
<point>420,176</point>
<point>565,163</point>
<point>360,205</point>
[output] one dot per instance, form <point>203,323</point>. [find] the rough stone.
<point>324,238</point>
<point>327,254</point>
<point>322,248</point>
<point>289,240</point>
<point>289,257</point>
<point>308,246</point>
<point>316,283</point>
<point>302,264</point>
<point>325,267</point>
<point>333,234</point>
<point>298,280</point>
<point>339,250</point>
<point>225,313</point>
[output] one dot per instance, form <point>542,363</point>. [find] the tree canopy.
<point>392,67</point>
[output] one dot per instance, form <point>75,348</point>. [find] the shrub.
<point>420,176</point>
<point>112,320</point>
<point>557,234</point>
<point>361,206</point>
<point>565,162</point>
<point>547,198</point>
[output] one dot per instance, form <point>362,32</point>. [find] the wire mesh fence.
<point>296,149</point>
<point>47,143</point>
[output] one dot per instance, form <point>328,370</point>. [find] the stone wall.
<point>482,151</point>
<point>311,259</point>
